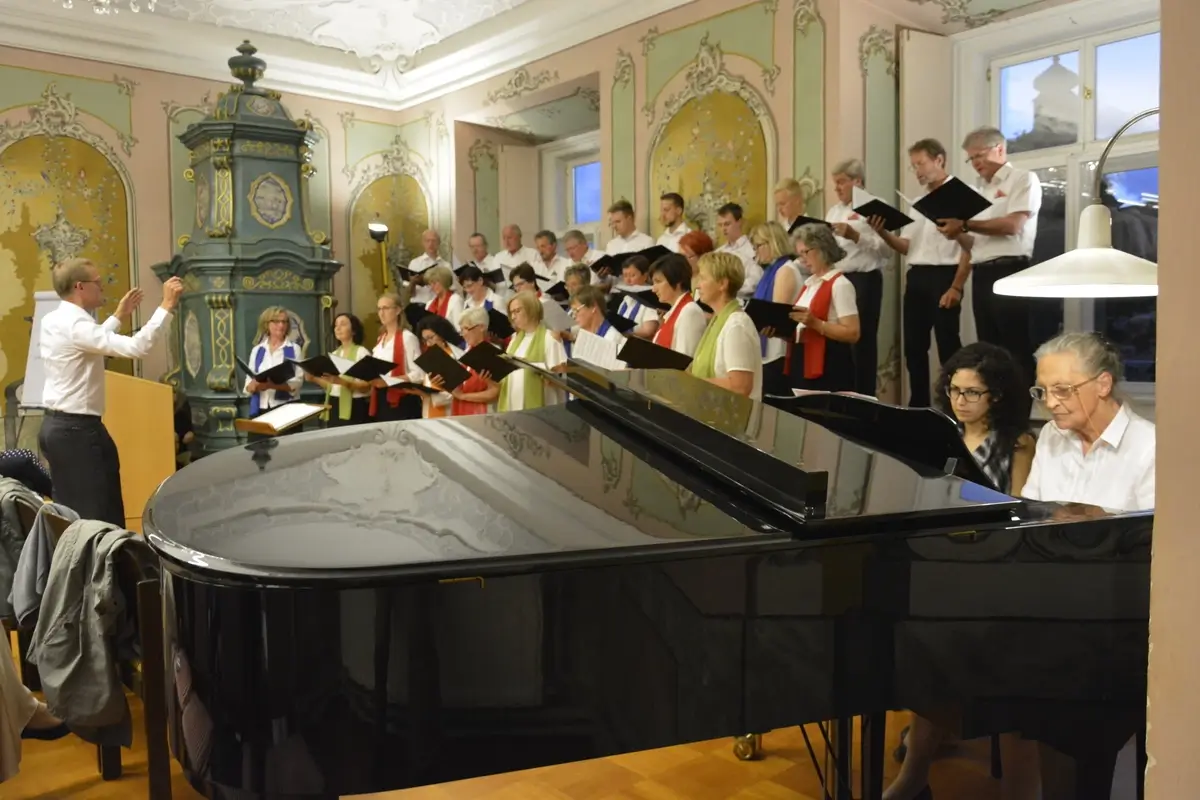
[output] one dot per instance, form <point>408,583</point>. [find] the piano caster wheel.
<point>748,747</point>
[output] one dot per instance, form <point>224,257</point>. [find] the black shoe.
<point>902,749</point>
<point>46,734</point>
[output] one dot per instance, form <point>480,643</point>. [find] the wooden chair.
<point>138,578</point>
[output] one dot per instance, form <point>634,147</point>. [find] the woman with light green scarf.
<point>348,398</point>
<point>531,342</point>
<point>729,354</point>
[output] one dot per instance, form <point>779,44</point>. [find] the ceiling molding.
<point>157,42</point>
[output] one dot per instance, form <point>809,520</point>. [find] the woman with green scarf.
<point>349,398</point>
<point>729,354</point>
<point>531,342</point>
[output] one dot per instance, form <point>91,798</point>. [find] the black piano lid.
<point>602,477</point>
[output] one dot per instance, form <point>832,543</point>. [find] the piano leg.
<point>748,747</point>
<point>874,737</point>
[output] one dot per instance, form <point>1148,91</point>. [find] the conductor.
<point>81,455</point>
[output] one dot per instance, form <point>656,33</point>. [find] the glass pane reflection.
<point>1039,103</point>
<point>1132,197</point>
<point>1127,82</point>
<point>585,179</point>
<point>1046,321</point>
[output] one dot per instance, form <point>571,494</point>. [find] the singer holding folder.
<point>866,256</point>
<point>350,398</point>
<point>1004,234</point>
<point>273,349</point>
<point>827,315</point>
<point>400,346</point>
<point>682,325</point>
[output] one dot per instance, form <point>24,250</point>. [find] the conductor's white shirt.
<point>73,347</point>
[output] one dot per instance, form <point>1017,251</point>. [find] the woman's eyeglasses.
<point>1059,391</point>
<point>968,395</point>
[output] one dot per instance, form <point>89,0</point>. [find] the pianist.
<point>981,387</point>
<point>1095,450</point>
<point>728,354</point>
<point>531,342</point>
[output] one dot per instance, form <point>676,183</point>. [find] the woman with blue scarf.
<point>273,348</point>
<point>780,283</point>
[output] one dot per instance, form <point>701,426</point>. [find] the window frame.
<point>558,159</point>
<point>979,56</point>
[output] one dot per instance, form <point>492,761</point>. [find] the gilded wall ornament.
<point>60,239</point>
<point>278,279</point>
<point>399,159</point>
<point>649,40</point>
<point>57,115</point>
<point>482,154</point>
<point>623,72</point>
<point>877,41</point>
<point>805,14</point>
<point>522,82</point>
<point>592,96</point>
<point>271,201</point>
<point>959,11</point>
<point>769,77</point>
<point>205,106</point>
<point>193,348</point>
<point>124,85</point>
<point>707,74</point>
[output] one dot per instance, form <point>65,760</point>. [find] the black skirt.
<point>838,375</point>
<point>408,408</point>
<point>360,412</point>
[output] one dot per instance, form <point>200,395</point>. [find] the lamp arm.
<point>1096,188</point>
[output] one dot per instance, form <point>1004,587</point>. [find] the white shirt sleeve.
<point>689,329</point>
<point>295,383</point>
<point>1144,493</point>
<point>454,310</point>
<point>1026,194</point>
<point>1031,490</point>
<point>246,385</point>
<point>104,339</point>
<point>739,344</point>
<point>412,349</point>
<point>869,240</point>
<point>844,302</point>
<point>113,323</point>
<point>555,352</point>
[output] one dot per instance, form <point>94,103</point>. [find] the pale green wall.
<point>623,132</point>
<point>877,54</point>
<point>808,100</point>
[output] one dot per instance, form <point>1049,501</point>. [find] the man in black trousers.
<point>83,460</point>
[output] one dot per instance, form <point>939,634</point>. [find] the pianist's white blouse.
<point>1117,473</point>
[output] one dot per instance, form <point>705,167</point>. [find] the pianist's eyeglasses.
<point>1060,391</point>
<point>968,395</point>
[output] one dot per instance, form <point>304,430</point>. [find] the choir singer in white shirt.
<point>83,460</point>
<point>866,256</point>
<point>670,214</point>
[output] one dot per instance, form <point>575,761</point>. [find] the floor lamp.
<point>379,232</point>
<point>1093,268</point>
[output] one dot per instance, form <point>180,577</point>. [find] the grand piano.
<point>655,562</point>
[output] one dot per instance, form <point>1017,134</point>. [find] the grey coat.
<point>33,568</point>
<point>83,617</point>
<point>12,535</point>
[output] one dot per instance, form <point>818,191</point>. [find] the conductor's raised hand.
<point>172,290</point>
<point>131,300</point>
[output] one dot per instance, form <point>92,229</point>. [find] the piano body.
<point>653,563</point>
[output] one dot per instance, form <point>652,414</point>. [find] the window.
<point>572,187</point>
<point>1057,107</point>
<point>1040,105</point>
<point>585,193</point>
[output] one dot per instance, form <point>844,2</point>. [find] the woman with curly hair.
<point>981,387</point>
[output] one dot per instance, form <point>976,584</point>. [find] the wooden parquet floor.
<point>66,770</point>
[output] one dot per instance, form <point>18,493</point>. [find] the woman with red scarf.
<point>827,314</point>
<point>400,346</point>
<point>683,324</point>
<point>446,302</point>
<point>478,393</point>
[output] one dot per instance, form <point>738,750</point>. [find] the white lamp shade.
<point>1093,269</point>
<point>377,227</point>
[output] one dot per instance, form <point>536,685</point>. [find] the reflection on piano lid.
<point>546,484</point>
